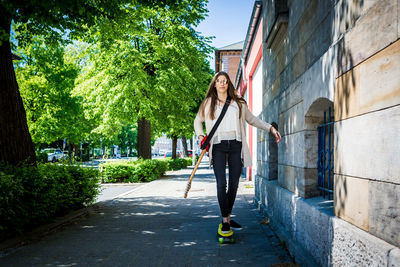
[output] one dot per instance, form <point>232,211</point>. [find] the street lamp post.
<point>193,151</point>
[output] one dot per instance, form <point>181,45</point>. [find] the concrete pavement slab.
<point>112,190</point>
<point>155,226</point>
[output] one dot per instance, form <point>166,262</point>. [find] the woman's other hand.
<point>201,137</point>
<point>276,134</point>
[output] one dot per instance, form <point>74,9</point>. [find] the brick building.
<point>227,59</point>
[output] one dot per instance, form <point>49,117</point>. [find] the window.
<point>225,64</point>
<point>325,155</point>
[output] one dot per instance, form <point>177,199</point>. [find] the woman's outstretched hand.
<point>276,134</point>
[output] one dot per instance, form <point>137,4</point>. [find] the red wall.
<point>253,58</point>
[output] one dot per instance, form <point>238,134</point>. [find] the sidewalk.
<point>155,226</point>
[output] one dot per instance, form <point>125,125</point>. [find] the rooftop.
<point>234,46</point>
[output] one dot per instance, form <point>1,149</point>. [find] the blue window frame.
<point>325,156</point>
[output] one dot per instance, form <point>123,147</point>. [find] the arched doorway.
<point>319,149</point>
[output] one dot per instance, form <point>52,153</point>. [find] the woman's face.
<point>221,84</point>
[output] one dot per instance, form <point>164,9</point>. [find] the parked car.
<point>190,153</point>
<point>168,154</point>
<point>53,154</point>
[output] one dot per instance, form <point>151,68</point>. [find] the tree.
<point>148,67</point>
<point>127,138</point>
<point>46,77</point>
<point>50,18</point>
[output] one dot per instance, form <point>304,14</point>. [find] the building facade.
<point>164,144</point>
<point>249,80</point>
<point>227,59</point>
<point>331,84</point>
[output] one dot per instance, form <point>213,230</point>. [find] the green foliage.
<point>85,157</point>
<point>177,164</point>
<point>116,63</point>
<point>112,173</point>
<point>30,196</point>
<point>59,21</point>
<point>140,170</point>
<point>127,137</point>
<point>41,157</point>
<point>189,161</point>
<point>52,18</point>
<point>149,170</point>
<point>149,63</point>
<point>133,171</point>
<point>46,78</point>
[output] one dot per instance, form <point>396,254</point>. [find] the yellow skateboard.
<point>225,238</point>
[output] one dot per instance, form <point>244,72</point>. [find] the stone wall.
<point>315,237</point>
<point>344,55</point>
<point>297,73</point>
<point>367,115</point>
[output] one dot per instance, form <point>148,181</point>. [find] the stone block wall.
<point>367,115</point>
<point>315,237</point>
<point>293,81</point>
<point>344,55</point>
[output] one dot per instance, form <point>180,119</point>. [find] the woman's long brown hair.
<point>213,96</point>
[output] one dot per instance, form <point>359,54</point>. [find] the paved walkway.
<point>113,190</point>
<point>155,226</point>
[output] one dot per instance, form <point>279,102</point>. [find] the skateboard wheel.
<point>221,240</point>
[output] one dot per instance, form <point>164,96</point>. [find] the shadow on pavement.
<point>151,231</point>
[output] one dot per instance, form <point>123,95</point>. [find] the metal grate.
<point>325,156</point>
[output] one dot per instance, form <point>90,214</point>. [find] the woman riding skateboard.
<point>228,144</point>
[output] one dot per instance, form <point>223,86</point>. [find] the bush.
<point>112,173</point>
<point>149,170</point>
<point>41,157</point>
<point>189,161</point>
<point>177,164</point>
<point>140,170</point>
<point>85,157</point>
<point>133,171</point>
<point>30,196</point>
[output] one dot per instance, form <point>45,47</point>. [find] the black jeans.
<point>231,149</point>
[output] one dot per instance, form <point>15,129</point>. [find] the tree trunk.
<point>69,145</point>
<point>16,144</point>
<point>174,142</point>
<point>184,145</point>
<point>75,148</point>
<point>144,139</point>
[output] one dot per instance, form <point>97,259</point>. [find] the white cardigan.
<point>229,129</point>
<point>246,116</point>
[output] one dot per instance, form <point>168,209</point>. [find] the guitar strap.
<point>208,137</point>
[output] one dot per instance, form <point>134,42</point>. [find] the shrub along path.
<point>155,226</point>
